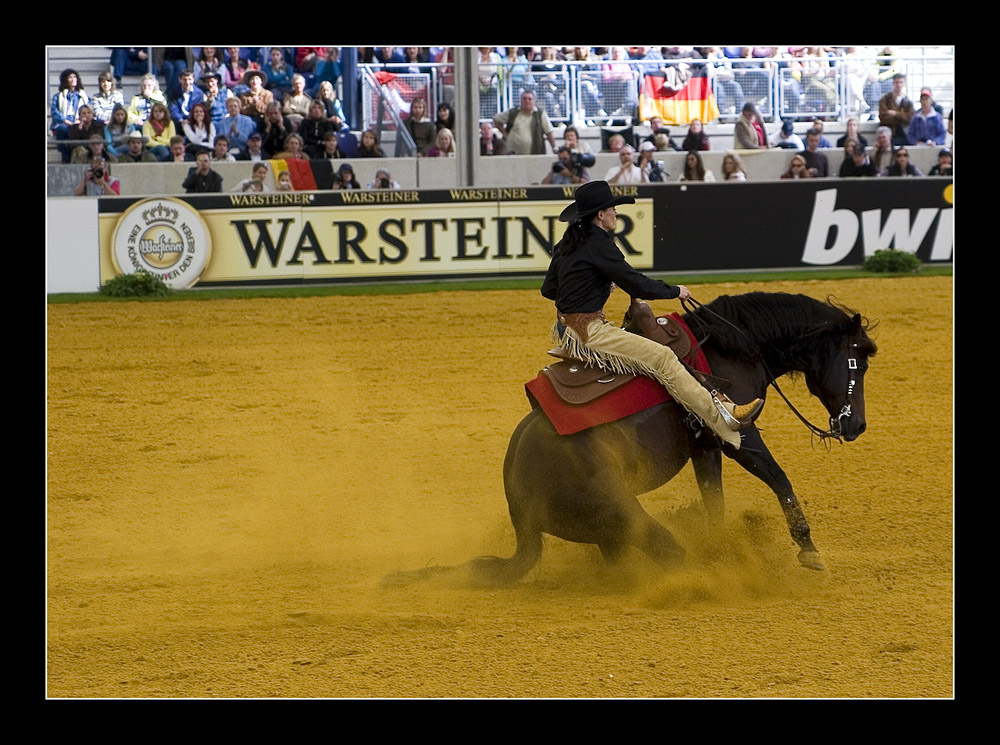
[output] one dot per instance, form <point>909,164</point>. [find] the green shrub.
<point>139,284</point>
<point>892,261</point>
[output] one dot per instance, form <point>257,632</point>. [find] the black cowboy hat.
<point>245,80</point>
<point>591,198</point>
<point>203,81</point>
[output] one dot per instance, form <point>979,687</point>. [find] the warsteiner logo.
<point>164,237</point>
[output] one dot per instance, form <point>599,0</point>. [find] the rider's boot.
<point>737,416</point>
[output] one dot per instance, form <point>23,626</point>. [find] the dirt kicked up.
<point>229,480</point>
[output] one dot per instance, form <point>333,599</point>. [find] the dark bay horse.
<point>583,487</point>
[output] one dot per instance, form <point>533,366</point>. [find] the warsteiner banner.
<point>350,235</point>
<point>165,237</point>
<point>370,235</point>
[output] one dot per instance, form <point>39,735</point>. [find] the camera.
<point>657,172</point>
<point>384,182</point>
<point>98,173</point>
<point>576,162</point>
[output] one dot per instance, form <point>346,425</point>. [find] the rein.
<point>690,304</point>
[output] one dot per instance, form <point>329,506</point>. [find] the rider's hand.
<point>685,293</point>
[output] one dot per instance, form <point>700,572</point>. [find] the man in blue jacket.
<point>926,126</point>
<point>186,95</point>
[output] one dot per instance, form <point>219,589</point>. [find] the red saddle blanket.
<point>638,395</point>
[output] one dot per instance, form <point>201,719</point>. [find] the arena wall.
<point>72,262</point>
<point>389,235</point>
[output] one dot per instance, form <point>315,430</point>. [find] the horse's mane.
<point>786,330</point>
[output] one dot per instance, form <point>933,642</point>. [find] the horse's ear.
<point>856,322</point>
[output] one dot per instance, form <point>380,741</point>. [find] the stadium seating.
<point>519,170</point>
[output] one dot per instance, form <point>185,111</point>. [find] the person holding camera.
<point>202,179</point>
<point>571,168</point>
<point>97,181</point>
<point>256,181</point>
<point>652,169</point>
<point>383,180</point>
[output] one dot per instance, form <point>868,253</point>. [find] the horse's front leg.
<point>754,456</point>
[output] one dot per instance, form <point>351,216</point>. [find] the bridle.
<point>845,411</point>
<point>835,432</point>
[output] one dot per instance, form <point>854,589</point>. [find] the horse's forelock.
<point>857,324</point>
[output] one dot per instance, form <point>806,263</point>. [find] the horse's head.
<point>840,382</point>
<point>797,334</point>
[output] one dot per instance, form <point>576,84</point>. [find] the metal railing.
<point>588,93</point>
<point>384,100</point>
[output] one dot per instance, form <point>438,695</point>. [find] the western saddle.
<point>578,382</point>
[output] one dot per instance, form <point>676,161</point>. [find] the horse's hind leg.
<point>708,472</point>
<point>646,534</point>
<point>482,571</point>
<point>496,570</point>
<point>658,543</point>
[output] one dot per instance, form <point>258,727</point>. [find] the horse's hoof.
<point>810,560</point>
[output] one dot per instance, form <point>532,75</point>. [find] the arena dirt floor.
<point>229,480</point>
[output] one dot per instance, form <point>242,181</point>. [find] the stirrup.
<point>742,416</point>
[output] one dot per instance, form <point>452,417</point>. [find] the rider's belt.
<point>579,322</point>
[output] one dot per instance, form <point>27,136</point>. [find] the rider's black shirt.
<point>581,281</point>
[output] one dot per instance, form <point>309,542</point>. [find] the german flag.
<point>694,101</point>
<point>307,175</point>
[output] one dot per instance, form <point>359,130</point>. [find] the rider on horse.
<point>586,265</point>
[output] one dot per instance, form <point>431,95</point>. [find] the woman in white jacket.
<point>199,130</point>
<point>694,169</point>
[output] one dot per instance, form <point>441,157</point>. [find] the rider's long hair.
<point>575,235</point>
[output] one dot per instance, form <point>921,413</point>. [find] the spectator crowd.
<point>211,104</point>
